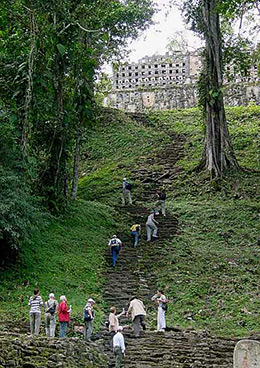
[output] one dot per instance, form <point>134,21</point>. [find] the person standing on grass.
<point>151,228</point>
<point>35,303</point>
<point>160,205</point>
<point>135,233</point>
<point>119,347</point>
<point>115,245</point>
<point>64,315</point>
<point>161,302</point>
<point>127,187</point>
<point>88,318</point>
<point>137,313</point>
<point>50,308</point>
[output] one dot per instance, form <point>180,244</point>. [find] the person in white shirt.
<point>151,228</point>
<point>126,192</point>
<point>119,347</point>
<point>115,246</point>
<point>35,304</point>
<point>161,302</point>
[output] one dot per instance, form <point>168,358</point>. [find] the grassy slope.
<point>65,258</point>
<point>214,271</point>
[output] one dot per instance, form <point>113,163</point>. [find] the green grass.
<point>243,124</point>
<point>113,148</point>
<point>212,271</point>
<point>65,258</point>
<point>213,268</point>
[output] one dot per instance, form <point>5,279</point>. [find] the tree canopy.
<point>50,54</point>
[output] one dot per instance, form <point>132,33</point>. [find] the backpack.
<point>164,307</point>
<point>87,316</point>
<point>113,243</point>
<point>162,196</point>
<point>51,309</point>
<point>128,186</point>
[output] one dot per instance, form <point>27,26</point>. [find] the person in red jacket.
<point>64,315</point>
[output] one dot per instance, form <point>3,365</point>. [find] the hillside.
<point>210,265</point>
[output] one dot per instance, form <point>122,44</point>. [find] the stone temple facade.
<point>169,81</point>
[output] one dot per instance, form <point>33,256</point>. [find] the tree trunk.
<point>218,154</point>
<point>76,164</point>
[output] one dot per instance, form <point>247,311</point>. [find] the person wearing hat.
<point>119,347</point>
<point>115,246</point>
<point>151,228</point>
<point>50,308</point>
<point>127,187</point>
<point>88,318</point>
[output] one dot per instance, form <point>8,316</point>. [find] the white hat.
<point>119,328</point>
<point>124,179</point>
<point>90,300</point>
<point>114,236</point>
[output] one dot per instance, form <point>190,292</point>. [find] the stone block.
<point>247,354</point>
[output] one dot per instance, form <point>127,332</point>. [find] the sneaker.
<point>155,236</point>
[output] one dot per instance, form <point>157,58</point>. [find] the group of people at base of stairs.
<point>137,313</point>
<point>51,309</point>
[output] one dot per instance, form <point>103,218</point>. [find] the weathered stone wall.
<point>179,96</point>
<point>25,351</point>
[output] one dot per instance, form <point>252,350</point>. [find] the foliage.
<point>65,257</point>
<point>50,54</point>
<point>243,126</point>
<point>211,269</point>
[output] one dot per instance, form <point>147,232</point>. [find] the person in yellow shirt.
<point>135,233</point>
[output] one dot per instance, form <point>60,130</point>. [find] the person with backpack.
<point>64,315</point>
<point>50,308</point>
<point>151,228</point>
<point>115,245</point>
<point>135,233</point>
<point>88,318</point>
<point>160,205</point>
<point>35,303</point>
<point>119,347</point>
<point>137,313</point>
<point>127,187</point>
<point>161,301</point>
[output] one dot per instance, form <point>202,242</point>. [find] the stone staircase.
<point>135,274</point>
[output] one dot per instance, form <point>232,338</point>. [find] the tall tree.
<point>204,17</point>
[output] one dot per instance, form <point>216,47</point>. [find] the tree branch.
<point>88,30</point>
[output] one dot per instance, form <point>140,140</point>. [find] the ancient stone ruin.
<point>169,81</point>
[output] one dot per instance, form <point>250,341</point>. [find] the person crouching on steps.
<point>151,228</point>
<point>161,302</point>
<point>64,315</point>
<point>135,233</point>
<point>50,308</point>
<point>115,246</point>
<point>88,318</point>
<point>127,187</point>
<point>137,313</point>
<point>119,347</point>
